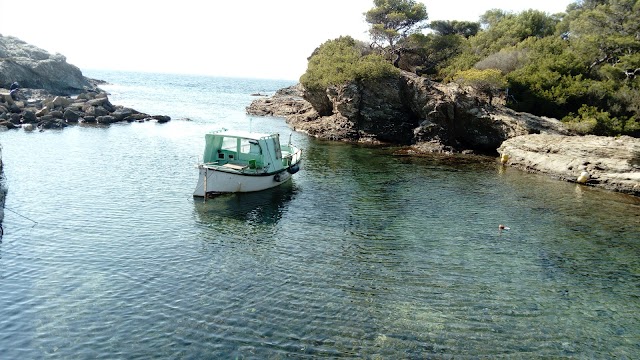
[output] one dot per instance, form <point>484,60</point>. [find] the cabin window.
<point>250,147</point>
<point>230,144</point>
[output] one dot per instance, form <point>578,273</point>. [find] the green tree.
<point>427,54</point>
<point>342,60</point>
<point>591,120</point>
<point>550,82</point>
<point>393,20</point>
<point>463,28</point>
<point>609,34</point>
<point>488,82</point>
<point>507,29</point>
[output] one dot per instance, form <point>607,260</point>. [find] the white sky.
<point>238,38</point>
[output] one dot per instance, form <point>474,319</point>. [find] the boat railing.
<point>292,157</point>
<point>295,157</point>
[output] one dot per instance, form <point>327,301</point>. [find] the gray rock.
<point>57,114</point>
<point>51,124</point>
<point>71,116</point>
<point>105,119</point>
<point>122,113</point>
<point>8,124</point>
<point>35,68</point>
<point>161,118</point>
<point>611,163</point>
<point>57,102</point>
<point>29,117</point>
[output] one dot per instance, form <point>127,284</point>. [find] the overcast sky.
<point>238,38</point>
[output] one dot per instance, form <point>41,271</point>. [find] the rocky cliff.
<point>410,110</point>
<point>45,84</point>
<point>432,117</point>
<point>35,68</point>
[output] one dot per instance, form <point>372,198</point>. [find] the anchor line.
<point>22,216</point>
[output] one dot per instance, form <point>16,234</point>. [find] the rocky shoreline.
<point>611,163</point>
<point>448,119</point>
<point>37,109</point>
<point>52,93</point>
<point>409,110</point>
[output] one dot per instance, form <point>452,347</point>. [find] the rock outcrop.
<point>410,110</point>
<point>56,112</point>
<point>432,117</point>
<point>52,93</point>
<point>605,162</point>
<point>35,68</point>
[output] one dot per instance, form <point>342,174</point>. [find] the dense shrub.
<point>582,66</point>
<point>342,60</point>
<point>489,81</point>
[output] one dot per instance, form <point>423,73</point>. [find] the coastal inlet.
<point>361,255</point>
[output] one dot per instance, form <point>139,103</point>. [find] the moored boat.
<point>238,161</point>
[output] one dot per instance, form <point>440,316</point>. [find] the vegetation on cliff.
<point>344,59</point>
<point>581,66</point>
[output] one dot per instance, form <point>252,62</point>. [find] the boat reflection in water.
<point>261,207</point>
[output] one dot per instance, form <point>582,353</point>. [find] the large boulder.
<point>285,102</point>
<point>612,163</point>
<point>35,68</point>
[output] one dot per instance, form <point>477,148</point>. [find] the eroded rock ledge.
<point>605,162</point>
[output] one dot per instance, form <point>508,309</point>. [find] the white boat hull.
<point>213,181</point>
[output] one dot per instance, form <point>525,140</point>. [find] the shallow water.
<point>107,255</point>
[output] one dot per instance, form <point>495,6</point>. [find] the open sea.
<point>107,255</point>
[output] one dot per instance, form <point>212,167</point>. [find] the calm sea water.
<point>363,255</point>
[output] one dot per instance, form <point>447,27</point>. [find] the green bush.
<point>590,119</point>
<point>488,81</point>
<point>342,60</point>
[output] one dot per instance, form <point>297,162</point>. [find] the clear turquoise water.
<point>363,255</point>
